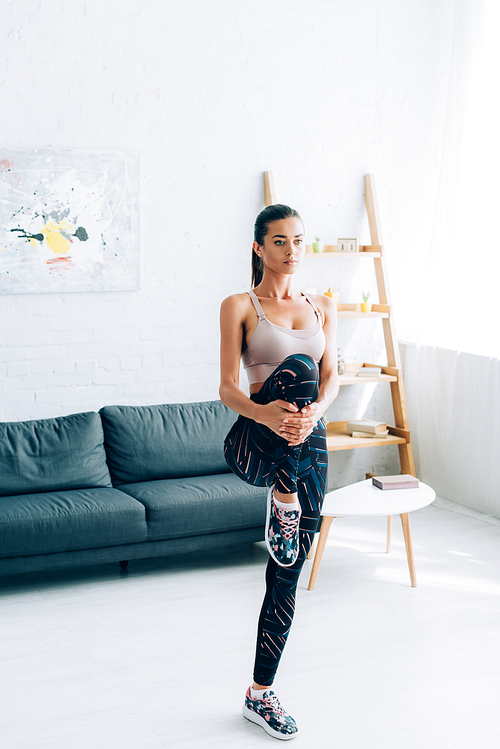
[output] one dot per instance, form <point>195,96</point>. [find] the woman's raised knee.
<point>301,361</point>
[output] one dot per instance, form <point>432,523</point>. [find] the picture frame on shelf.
<point>347,245</point>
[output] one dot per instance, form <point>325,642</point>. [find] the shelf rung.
<point>357,308</point>
<point>354,310</point>
<point>366,250</point>
<point>337,438</point>
<point>348,314</point>
<point>386,369</point>
<point>398,432</point>
<point>347,379</point>
<point>351,369</point>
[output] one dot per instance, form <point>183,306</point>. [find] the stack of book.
<point>367,428</point>
<point>406,481</point>
<point>369,372</point>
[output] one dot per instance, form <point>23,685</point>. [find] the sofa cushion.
<point>52,454</point>
<point>69,520</point>
<point>199,505</point>
<point>145,443</point>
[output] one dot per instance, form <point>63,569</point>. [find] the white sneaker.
<point>269,714</point>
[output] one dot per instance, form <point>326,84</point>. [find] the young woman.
<point>287,341</point>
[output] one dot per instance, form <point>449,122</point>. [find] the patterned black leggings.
<point>258,456</point>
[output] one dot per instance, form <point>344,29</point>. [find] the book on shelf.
<point>370,435</point>
<point>369,372</point>
<point>366,425</point>
<point>405,481</point>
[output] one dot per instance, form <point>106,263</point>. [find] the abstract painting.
<point>69,221</point>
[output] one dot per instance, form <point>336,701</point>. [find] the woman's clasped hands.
<point>290,423</point>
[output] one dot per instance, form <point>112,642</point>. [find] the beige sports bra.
<point>272,343</point>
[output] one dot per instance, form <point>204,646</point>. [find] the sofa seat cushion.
<point>65,521</point>
<point>177,440</point>
<point>49,455</point>
<point>199,505</point>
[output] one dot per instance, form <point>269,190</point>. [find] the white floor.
<point>161,656</point>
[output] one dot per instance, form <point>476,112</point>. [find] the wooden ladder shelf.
<point>399,434</point>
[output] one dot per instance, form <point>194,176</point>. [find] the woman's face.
<point>284,245</point>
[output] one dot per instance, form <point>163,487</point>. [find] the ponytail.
<point>257,269</point>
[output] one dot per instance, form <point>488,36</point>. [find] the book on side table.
<point>396,482</point>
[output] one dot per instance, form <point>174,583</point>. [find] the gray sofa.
<point>125,483</point>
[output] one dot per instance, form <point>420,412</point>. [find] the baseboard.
<point>446,504</point>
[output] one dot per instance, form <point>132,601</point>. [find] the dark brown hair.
<point>266,217</point>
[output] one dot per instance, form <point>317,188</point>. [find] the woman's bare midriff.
<point>255,387</point>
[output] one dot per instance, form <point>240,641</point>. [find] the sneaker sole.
<point>268,518</point>
<point>260,721</point>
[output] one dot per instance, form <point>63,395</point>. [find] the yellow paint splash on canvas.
<point>56,241</point>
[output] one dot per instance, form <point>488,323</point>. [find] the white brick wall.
<point>212,94</point>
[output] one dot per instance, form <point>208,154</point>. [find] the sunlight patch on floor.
<point>476,585</point>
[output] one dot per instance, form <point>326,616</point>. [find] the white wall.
<point>212,94</point>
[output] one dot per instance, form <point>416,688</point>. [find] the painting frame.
<point>69,221</point>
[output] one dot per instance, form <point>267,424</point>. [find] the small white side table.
<point>363,498</point>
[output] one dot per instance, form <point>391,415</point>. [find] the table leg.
<point>323,535</point>
<point>405,522</point>
<point>389,532</point>
<point>313,548</point>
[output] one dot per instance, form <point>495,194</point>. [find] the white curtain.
<point>455,380</point>
<point>457,419</point>
<point>462,308</point>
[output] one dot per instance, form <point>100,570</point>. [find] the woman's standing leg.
<point>281,582</point>
<point>262,706</point>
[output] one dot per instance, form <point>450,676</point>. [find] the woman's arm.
<point>329,376</point>
<point>232,325</point>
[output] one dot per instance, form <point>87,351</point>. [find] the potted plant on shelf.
<point>365,305</point>
<point>333,294</point>
<point>318,245</point>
